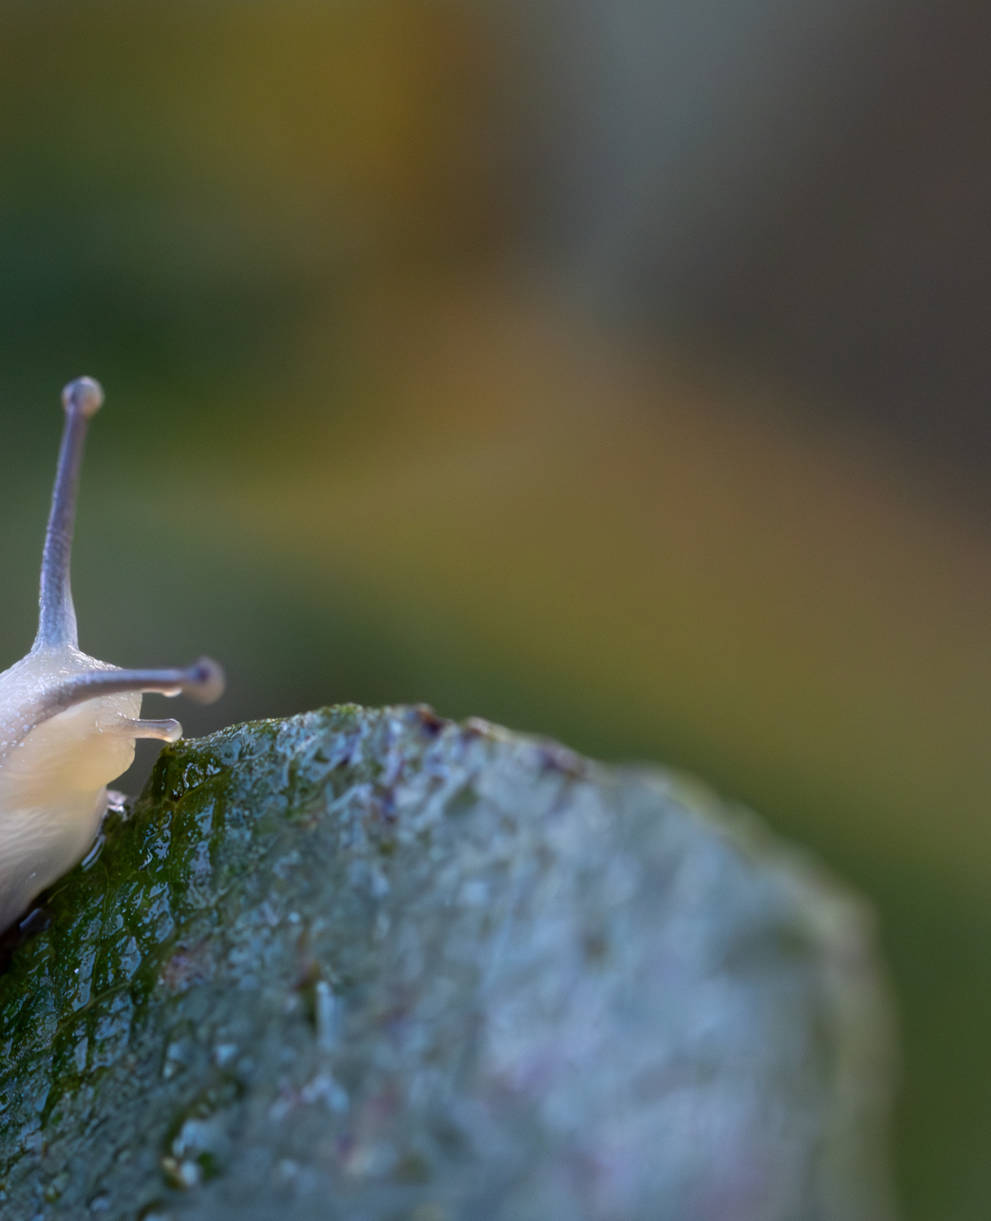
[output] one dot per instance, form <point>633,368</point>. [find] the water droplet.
<point>323,1088</point>
<point>224,1054</point>
<point>55,1188</point>
<point>154,1212</point>
<point>181,1174</point>
<point>328,1015</point>
<point>178,1056</point>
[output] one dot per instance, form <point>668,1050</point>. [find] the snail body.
<point>69,722</point>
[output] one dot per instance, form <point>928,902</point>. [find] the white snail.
<point>68,723</point>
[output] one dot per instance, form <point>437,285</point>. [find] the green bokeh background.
<point>374,431</point>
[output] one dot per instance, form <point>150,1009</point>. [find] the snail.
<point>68,723</point>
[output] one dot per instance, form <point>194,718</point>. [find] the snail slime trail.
<point>68,722</point>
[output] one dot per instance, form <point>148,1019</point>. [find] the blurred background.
<point>613,369</point>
